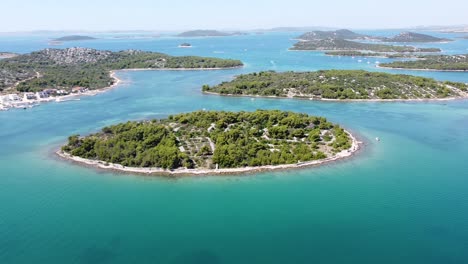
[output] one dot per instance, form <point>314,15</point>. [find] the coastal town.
<point>30,99</point>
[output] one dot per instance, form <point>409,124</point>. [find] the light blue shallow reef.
<point>401,200</point>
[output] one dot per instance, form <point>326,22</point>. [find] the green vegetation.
<point>347,45</point>
<point>439,62</point>
<point>337,84</point>
<point>203,139</point>
<point>89,68</point>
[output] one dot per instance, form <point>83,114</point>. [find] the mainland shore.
<point>113,74</point>
<point>355,146</point>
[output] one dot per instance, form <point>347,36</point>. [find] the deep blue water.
<point>401,200</point>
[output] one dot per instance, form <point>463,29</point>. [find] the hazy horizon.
<point>146,15</point>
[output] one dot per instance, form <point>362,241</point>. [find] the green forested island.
<point>336,44</point>
<point>340,85</point>
<point>89,68</point>
<point>435,62</point>
<point>207,140</point>
<point>74,38</point>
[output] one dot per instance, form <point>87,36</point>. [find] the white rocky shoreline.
<point>355,146</point>
<point>464,97</point>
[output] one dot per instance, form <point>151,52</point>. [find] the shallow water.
<point>401,200</point>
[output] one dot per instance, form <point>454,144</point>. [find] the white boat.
<point>377,139</point>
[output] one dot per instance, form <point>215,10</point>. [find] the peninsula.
<point>353,85</point>
<point>213,142</point>
<point>40,75</point>
<point>435,63</point>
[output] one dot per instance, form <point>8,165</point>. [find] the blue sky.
<point>23,15</point>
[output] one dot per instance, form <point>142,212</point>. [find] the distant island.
<point>137,36</point>
<point>185,45</point>
<point>292,29</point>
<point>336,34</point>
<point>344,40</point>
<point>414,37</point>
<point>58,72</point>
<point>432,62</point>
<point>208,33</point>
<point>73,38</point>
<point>453,29</point>
<point>339,85</point>
<point>332,44</point>
<point>350,35</point>
<point>213,142</point>
<point>6,55</point>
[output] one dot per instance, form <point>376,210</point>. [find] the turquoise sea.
<point>401,200</point>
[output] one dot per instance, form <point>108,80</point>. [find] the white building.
<point>41,95</point>
<point>13,97</point>
<point>29,96</point>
